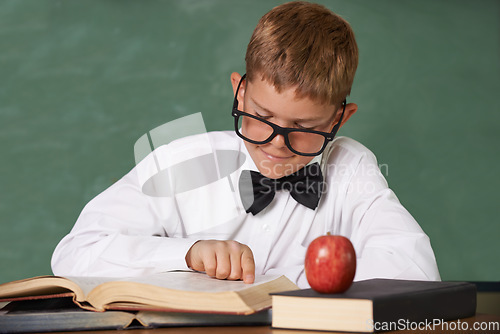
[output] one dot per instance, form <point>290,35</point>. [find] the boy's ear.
<point>235,80</point>
<point>350,109</point>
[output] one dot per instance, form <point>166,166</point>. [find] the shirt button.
<point>266,227</point>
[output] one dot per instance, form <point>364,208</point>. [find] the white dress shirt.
<point>139,226</point>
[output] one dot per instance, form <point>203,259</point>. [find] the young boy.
<point>300,65</point>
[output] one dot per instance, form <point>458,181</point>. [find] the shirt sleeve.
<point>123,232</point>
<point>388,241</point>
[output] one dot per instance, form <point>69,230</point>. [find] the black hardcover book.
<point>374,305</point>
<point>63,315</point>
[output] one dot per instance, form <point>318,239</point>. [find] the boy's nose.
<point>278,141</point>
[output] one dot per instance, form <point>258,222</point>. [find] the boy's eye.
<point>261,116</point>
<point>297,125</point>
<point>303,127</point>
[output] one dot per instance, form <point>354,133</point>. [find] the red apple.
<point>330,264</point>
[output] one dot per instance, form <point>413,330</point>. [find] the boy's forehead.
<point>262,90</point>
<point>264,96</point>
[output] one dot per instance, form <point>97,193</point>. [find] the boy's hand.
<point>226,259</point>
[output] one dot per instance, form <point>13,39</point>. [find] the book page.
<point>196,281</point>
<point>89,283</point>
<point>177,280</point>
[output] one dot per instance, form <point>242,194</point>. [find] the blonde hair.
<point>307,46</point>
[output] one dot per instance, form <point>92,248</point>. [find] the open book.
<point>186,291</point>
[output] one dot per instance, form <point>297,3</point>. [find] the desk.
<point>479,318</point>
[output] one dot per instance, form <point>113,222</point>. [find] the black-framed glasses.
<point>260,131</point>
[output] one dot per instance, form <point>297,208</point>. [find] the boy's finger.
<point>209,263</point>
<point>223,263</point>
<point>248,266</point>
<point>235,250</point>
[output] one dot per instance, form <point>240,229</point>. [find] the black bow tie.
<point>257,191</point>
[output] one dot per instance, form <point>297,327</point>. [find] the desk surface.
<point>456,326</point>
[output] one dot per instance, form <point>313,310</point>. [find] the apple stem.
<point>328,233</point>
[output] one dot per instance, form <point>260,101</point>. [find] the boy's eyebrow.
<point>270,112</point>
<point>260,106</point>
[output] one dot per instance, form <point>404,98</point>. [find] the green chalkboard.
<point>81,81</point>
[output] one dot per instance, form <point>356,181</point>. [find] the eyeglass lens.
<point>258,131</point>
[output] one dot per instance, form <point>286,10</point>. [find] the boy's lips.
<point>275,157</point>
